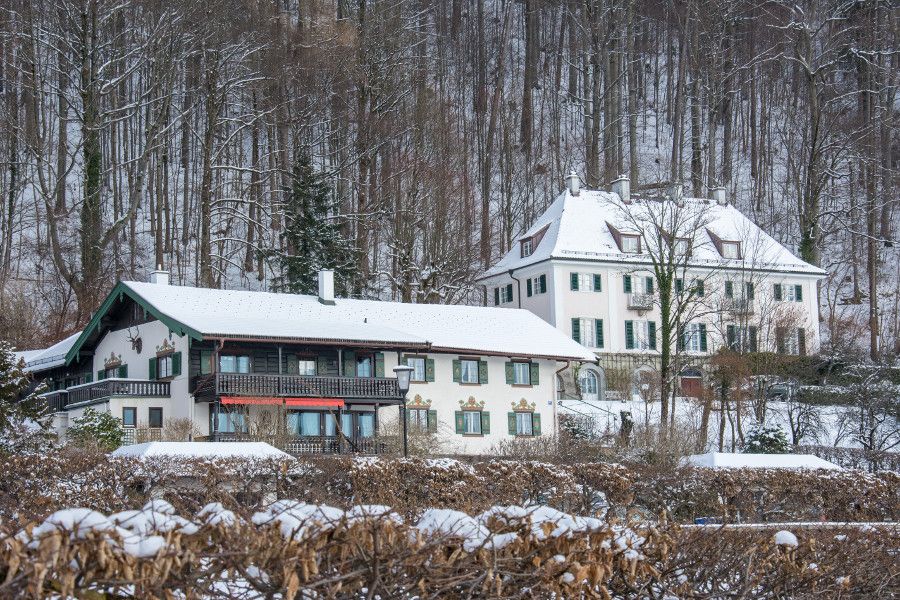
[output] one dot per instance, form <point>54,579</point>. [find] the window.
<point>699,287</point>
<point>129,416</point>
<point>206,362</point>
<point>536,285</point>
<point>731,249</point>
<point>640,335</point>
<point>524,423</point>
<point>306,367</point>
<point>418,419</point>
<point>791,340</point>
<point>788,293</point>
<point>638,285</point>
<point>527,247</point>
<point>694,338</point>
<point>366,423</point>
<point>230,420</point>
<point>587,382</point>
<point>164,366</point>
<point>231,363</point>
<point>155,419</point>
<point>631,244</point>
<point>741,338</point>
<point>682,246</point>
<point>585,282</point>
<point>468,371</point>
<point>521,373</point>
<point>503,294</point>
<point>418,365</point>
<point>588,332</point>
<point>363,365</point>
<point>472,422</point>
<point>305,423</point>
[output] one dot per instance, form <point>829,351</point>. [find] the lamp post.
<point>403,373</point>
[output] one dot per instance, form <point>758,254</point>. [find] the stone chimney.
<point>159,276</point>
<point>326,287</point>
<point>718,194</point>
<point>573,181</point>
<point>622,187</point>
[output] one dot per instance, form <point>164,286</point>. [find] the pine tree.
<point>312,238</point>
<point>25,420</point>
<point>766,439</point>
<point>95,429</point>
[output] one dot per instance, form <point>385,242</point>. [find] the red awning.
<point>271,400</point>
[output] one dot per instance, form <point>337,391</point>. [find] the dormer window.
<point>631,244</point>
<point>731,249</point>
<point>682,246</point>
<point>527,247</point>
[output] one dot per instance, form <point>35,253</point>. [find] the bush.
<point>96,429</point>
<point>766,439</point>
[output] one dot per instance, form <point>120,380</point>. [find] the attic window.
<point>731,249</point>
<point>527,247</point>
<point>631,244</point>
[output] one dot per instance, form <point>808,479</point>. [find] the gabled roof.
<point>580,228</point>
<point>236,314</point>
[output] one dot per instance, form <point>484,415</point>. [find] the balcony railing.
<point>56,401</point>
<point>738,306</point>
<point>305,386</point>
<point>311,444</point>
<point>109,388</point>
<point>640,301</point>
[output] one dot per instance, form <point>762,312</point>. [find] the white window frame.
<point>641,335</point>
<point>729,248</point>
<point>788,292</point>
<point>164,366</point>
<point>631,244</point>
<point>418,419</point>
<point>588,375</point>
<point>692,337</point>
<point>536,286</point>
<point>503,298</point>
<point>525,423</point>
<point>527,247</point>
<point>472,422</point>
<point>465,373</point>
<point>521,373</point>
<point>588,332</point>
<point>306,366</point>
<point>682,246</point>
<point>418,374</point>
<point>792,342</point>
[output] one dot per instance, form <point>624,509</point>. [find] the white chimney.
<point>718,194</point>
<point>622,187</point>
<point>326,287</point>
<point>159,276</point>
<point>573,181</point>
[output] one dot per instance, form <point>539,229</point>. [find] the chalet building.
<point>586,266</point>
<point>307,373</point>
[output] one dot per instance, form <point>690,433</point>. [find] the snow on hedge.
<point>189,450</point>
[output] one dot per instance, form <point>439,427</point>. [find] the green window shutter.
<point>729,289</point>
<point>101,375</point>
<point>682,338</point>
<point>700,287</point>
<point>432,421</point>
<point>123,372</point>
<point>176,364</point>
<point>88,377</point>
<point>482,371</point>
<point>702,337</point>
<point>598,284</point>
<point>626,281</point>
<point>379,364</point>
<point>598,324</point>
<point>509,295</point>
<point>458,420</point>
<point>731,336</point>
<point>152,368</point>
<point>649,285</point>
<point>576,330</point>
<point>496,296</point>
<point>511,422</point>
<point>429,369</point>
<point>651,334</point>
<point>485,422</point>
<point>349,363</point>
<point>510,377</point>
<point>798,293</point>
<point>629,335</point>
<point>535,373</point>
<point>751,291</point>
<point>535,424</point>
<point>780,345</point>
<point>573,281</point>
<point>528,287</point>
<point>778,291</point>
<point>543,283</point>
<point>679,286</point>
<point>752,332</point>
<point>801,341</point>
<point>457,371</point>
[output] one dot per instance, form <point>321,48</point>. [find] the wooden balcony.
<point>640,301</point>
<point>297,386</point>
<point>123,388</point>
<point>313,444</point>
<point>56,401</point>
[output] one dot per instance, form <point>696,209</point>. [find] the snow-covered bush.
<point>766,439</point>
<point>96,429</point>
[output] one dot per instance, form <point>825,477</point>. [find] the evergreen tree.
<point>25,419</point>
<point>312,238</point>
<point>766,439</point>
<point>95,429</point>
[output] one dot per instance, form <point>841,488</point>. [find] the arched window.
<point>587,381</point>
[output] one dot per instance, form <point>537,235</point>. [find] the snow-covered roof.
<point>244,314</point>
<point>730,460</point>
<point>48,358</point>
<point>578,227</point>
<point>202,450</point>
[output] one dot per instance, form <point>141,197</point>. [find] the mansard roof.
<point>582,228</point>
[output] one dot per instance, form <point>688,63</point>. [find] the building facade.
<point>590,266</point>
<point>309,374</point>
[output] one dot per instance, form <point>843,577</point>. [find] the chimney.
<point>573,181</point>
<point>622,187</point>
<point>326,287</point>
<point>718,194</point>
<point>159,276</point>
<point>676,193</point>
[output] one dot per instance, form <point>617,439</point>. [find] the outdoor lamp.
<point>403,373</point>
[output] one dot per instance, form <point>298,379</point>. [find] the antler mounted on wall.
<point>137,344</point>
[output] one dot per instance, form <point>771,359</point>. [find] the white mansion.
<point>589,267</point>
